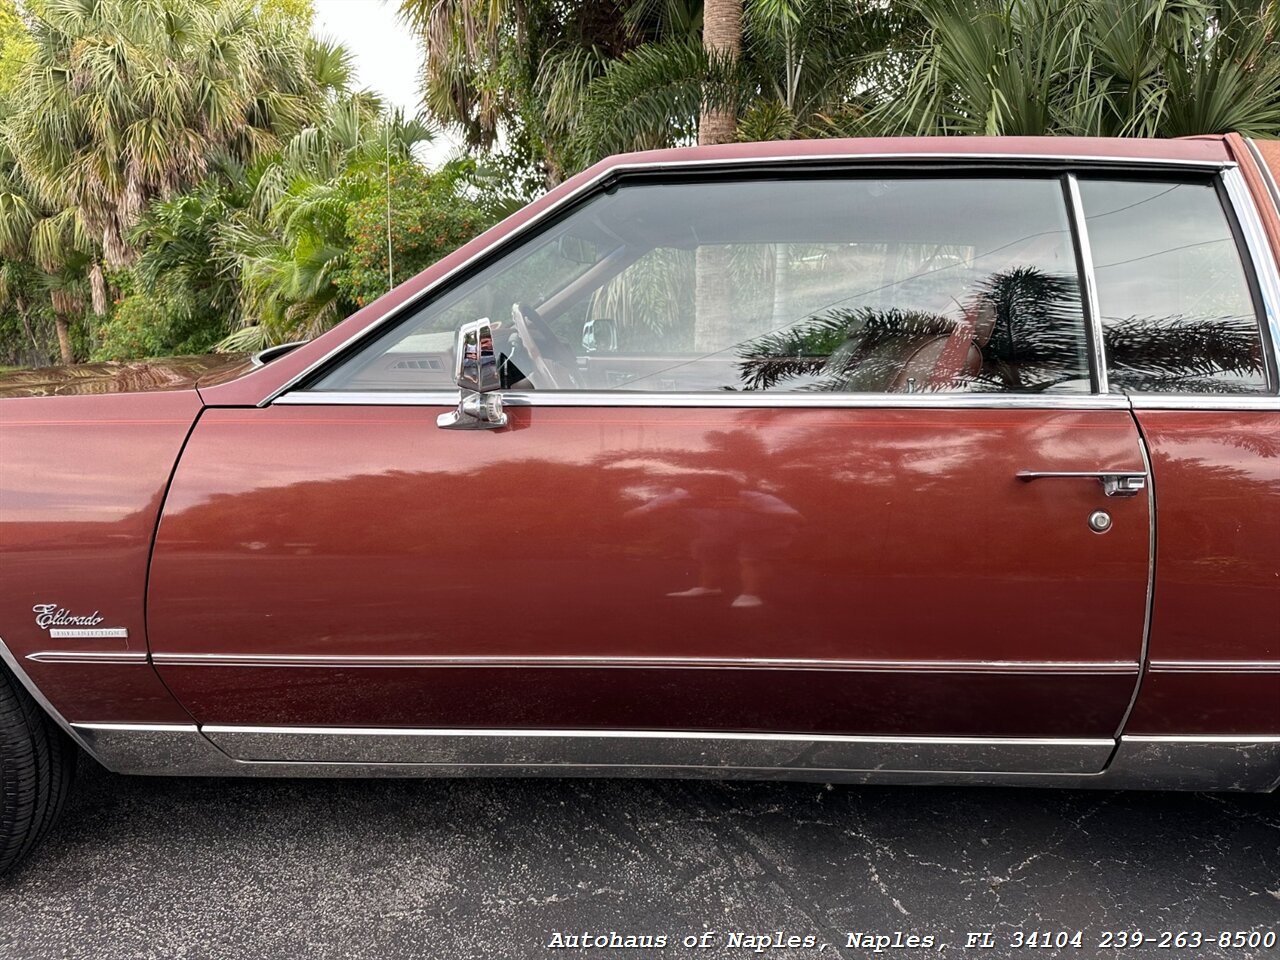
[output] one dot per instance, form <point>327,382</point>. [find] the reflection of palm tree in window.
<point>1185,354</point>
<point>1022,330</point>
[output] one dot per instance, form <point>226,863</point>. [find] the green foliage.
<point>118,104</point>
<point>288,245</point>
<point>1087,68</point>
<point>191,173</point>
<point>123,102</point>
<point>503,72</point>
<point>180,297</point>
<point>430,217</point>
<point>139,327</point>
<point>16,47</point>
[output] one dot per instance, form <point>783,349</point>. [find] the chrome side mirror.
<point>475,370</point>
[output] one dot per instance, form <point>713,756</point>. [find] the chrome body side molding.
<point>1155,763</point>
<point>1030,667</point>
<point>648,748</point>
<point>88,656</point>
<point>1215,666</point>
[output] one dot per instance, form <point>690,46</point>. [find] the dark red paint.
<point>82,479</point>
<point>1217,588</point>
<point>895,536</point>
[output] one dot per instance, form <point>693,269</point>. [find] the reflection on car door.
<point>865,571</point>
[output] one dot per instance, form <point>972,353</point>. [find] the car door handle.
<point>1115,483</point>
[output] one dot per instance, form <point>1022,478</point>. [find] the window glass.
<point>1177,314</point>
<point>867,285</point>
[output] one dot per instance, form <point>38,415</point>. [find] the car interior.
<point>862,289</point>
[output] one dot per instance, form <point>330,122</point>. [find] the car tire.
<point>37,762</point>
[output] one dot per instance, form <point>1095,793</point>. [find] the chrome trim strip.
<point>1230,739</point>
<point>334,661</point>
<point>138,727</point>
<point>841,159</point>
<point>1080,225</point>
<point>1156,401</point>
<point>1260,252</point>
<point>12,663</point>
<point>1151,763</point>
<point>1264,170</point>
<point>943,401</point>
<point>1215,666</point>
<point>1149,612</point>
<point>544,747</point>
<point>545,733</point>
<point>88,656</point>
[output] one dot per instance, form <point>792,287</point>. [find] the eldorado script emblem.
<point>63,624</point>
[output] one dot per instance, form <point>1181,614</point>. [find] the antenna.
<point>391,277</point>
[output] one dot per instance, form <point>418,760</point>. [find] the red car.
<point>918,461</point>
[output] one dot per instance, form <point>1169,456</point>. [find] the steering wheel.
<point>554,363</point>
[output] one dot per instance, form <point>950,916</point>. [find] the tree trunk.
<point>714,328</point>
<point>98,289</point>
<point>64,339</point>
<point>722,39</point>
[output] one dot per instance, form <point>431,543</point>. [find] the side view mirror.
<point>475,370</point>
<point>600,336</point>
<point>475,363</point>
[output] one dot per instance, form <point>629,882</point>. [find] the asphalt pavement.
<point>168,868</point>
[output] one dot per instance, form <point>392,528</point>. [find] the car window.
<point>1177,312</point>
<point>902,285</point>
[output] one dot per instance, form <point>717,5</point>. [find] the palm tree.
<point>722,40</point>
<point>45,252</point>
<point>511,72</point>
<point>288,243</point>
<point>798,68</point>
<point>124,102</point>
<point>1085,67</point>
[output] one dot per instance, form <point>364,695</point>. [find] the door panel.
<point>345,565</point>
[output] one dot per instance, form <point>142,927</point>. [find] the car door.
<point>1185,277</point>
<point>796,471</point>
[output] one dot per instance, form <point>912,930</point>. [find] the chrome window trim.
<point>914,159</point>
<point>1037,667</point>
<point>605,398</point>
<point>1262,258</point>
<point>1186,401</point>
<point>1264,169</point>
<point>1093,315</point>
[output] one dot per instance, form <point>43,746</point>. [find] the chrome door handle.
<point>1115,483</point>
